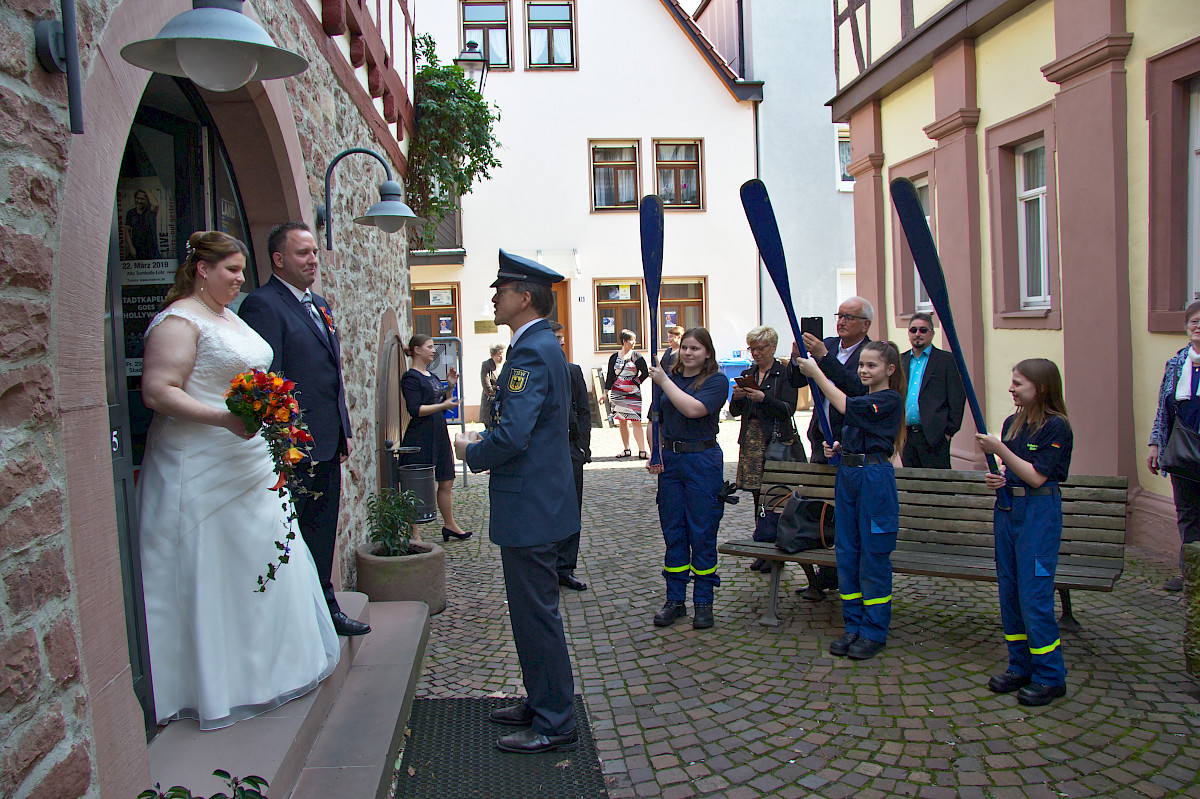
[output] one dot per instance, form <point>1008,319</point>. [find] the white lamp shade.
<point>216,48</point>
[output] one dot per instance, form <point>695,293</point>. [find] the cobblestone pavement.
<point>742,710</point>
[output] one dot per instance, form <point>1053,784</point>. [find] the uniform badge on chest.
<point>517,380</point>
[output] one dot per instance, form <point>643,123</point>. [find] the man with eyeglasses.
<point>838,358</point>
<point>934,405</point>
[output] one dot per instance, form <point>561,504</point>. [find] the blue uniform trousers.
<point>531,586</point>
<point>690,512</point>
<point>867,519</point>
<point>1027,541</point>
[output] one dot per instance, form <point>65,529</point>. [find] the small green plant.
<point>454,145</point>
<point>391,514</point>
<point>239,788</point>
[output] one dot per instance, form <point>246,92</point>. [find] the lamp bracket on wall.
<point>57,47</point>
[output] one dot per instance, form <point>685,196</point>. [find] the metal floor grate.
<point>451,754</point>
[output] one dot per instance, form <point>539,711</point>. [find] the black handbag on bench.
<point>805,524</point>
<point>766,522</point>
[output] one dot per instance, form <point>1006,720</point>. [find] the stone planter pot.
<point>419,578</point>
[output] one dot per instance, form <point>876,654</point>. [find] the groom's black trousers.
<point>318,518</point>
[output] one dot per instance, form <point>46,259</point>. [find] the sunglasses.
<point>918,330</point>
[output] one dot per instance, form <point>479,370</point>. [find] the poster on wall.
<point>670,317</point>
<point>444,326</point>
<point>608,325</point>
<point>441,296</point>
<point>146,210</point>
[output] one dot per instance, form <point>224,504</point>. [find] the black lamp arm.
<point>329,174</point>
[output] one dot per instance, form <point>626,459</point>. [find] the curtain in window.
<point>605,189</point>
<point>539,44</point>
<point>562,46</point>
<point>1033,248</point>
<point>498,47</point>
<point>626,186</point>
<point>676,152</point>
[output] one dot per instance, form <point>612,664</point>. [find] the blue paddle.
<point>651,214</point>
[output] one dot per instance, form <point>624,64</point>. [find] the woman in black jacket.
<point>626,371</point>
<point>765,411</point>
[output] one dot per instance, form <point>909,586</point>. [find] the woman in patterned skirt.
<point>626,371</point>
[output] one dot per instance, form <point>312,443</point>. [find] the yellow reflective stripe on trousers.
<point>847,597</point>
<point>1041,650</point>
<point>704,571</point>
<point>677,568</point>
<point>879,601</point>
<point>1018,637</point>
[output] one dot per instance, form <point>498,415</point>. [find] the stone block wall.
<point>48,746</point>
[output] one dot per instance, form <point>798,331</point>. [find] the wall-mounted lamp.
<point>57,48</point>
<point>390,214</point>
<point>216,46</point>
<point>474,63</point>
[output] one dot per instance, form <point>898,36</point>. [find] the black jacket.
<point>610,377</point>
<point>581,417</point>
<point>942,395</point>
<point>775,411</point>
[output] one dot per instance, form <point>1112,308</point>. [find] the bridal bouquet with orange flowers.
<point>265,404</point>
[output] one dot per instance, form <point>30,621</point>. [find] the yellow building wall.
<point>1157,25</point>
<point>1009,82</point>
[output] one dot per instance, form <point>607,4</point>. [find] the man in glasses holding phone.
<point>934,405</point>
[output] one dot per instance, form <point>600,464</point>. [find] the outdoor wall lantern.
<point>390,214</point>
<point>57,48</point>
<point>216,46</point>
<point>473,62</point>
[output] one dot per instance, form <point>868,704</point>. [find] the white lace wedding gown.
<point>219,652</point>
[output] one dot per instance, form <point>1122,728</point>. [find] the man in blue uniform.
<point>533,502</point>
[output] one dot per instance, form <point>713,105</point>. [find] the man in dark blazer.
<point>580,437</point>
<point>299,327</point>
<point>531,488</point>
<point>838,358</point>
<point>934,406</point>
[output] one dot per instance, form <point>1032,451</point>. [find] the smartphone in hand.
<point>814,325</point>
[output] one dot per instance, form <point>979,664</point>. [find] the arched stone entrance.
<point>257,125</point>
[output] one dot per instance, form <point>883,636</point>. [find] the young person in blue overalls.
<point>1036,450</point>
<point>690,476</point>
<point>867,507</point>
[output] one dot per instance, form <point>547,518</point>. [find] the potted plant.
<point>391,566</point>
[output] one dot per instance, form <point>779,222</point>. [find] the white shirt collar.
<point>297,293</point>
<point>517,333</point>
<point>844,353</point>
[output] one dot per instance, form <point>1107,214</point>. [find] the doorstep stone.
<point>273,745</point>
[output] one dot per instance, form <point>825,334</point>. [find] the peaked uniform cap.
<point>514,267</point>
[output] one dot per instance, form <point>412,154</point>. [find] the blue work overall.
<point>1027,542</point>
<point>867,520</point>
<point>690,512</point>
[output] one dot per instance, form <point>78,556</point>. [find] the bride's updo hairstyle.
<point>417,340</point>
<point>210,246</point>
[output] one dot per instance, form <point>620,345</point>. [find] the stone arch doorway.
<point>258,127</point>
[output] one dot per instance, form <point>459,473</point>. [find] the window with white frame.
<point>923,303</point>
<point>486,24</point>
<point>845,181</point>
<point>614,175</point>
<point>551,28</point>
<point>1193,205</point>
<point>677,173</point>
<point>1031,225</point>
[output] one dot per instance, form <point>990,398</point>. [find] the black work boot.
<point>703,617</point>
<point>671,611</point>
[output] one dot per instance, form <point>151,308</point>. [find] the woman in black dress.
<point>427,402</point>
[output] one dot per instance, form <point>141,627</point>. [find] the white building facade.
<point>600,104</point>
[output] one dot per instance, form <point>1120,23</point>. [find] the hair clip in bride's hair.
<point>188,250</point>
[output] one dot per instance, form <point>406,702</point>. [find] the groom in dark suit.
<point>300,329</point>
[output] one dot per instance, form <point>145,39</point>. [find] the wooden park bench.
<point>946,530</point>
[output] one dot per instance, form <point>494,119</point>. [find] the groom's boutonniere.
<point>328,320</point>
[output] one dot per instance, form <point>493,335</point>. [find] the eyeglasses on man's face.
<point>848,317</point>
<point>918,330</point>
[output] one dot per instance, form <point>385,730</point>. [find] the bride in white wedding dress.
<point>219,651</point>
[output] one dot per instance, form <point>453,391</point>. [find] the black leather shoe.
<point>703,617</point>
<point>447,534</point>
<point>842,645</point>
<point>572,582</point>
<point>827,577</point>
<point>865,648</point>
<point>670,612</point>
<point>1035,694</point>
<point>759,565</point>
<point>344,625</point>
<point>1008,682</point>
<point>527,742</point>
<point>514,716</point>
